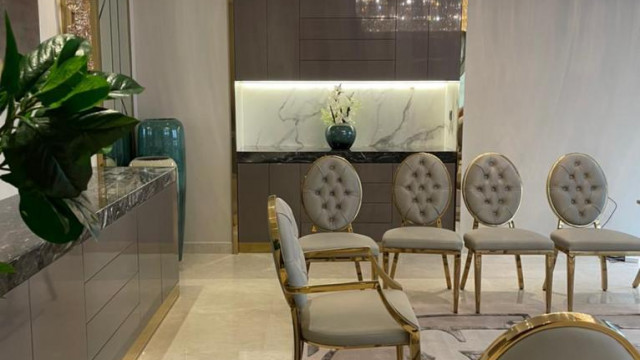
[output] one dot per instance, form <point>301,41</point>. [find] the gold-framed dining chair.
<point>331,198</point>
<point>577,192</point>
<point>561,336</point>
<point>342,315</point>
<point>422,192</point>
<point>492,192</point>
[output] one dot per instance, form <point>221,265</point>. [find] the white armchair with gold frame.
<point>577,193</point>
<point>343,315</point>
<point>492,192</point>
<point>331,197</point>
<point>561,336</point>
<point>422,192</point>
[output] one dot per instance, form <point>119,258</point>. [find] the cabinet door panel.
<point>113,240</point>
<point>284,181</point>
<point>250,42</point>
<point>347,70</point>
<point>444,40</point>
<point>57,310</point>
<point>412,55</point>
<point>283,39</point>
<point>334,29</point>
<point>15,327</point>
<point>347,50</point>
<point>253,191</point>
<point>347,8</point>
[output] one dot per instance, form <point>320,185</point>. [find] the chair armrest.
<point>311,289</point>
<point>405,323</point>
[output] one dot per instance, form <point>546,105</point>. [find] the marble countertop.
<point>355,155</point>
<point>112,193</point>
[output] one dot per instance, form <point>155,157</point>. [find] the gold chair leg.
<point>553,266</point>
<point>358,270</point>
<point>478,279</point>
<point>374,272</point>
<point>571,266</point>
<point>414,346</point>
<point>636,282</point>
<point>385,262</point>
<point>394,265</point>
<point>549,262</point>
<point>308,266</point>
<point>467,265</point>
<point>447,275</point>
<point>399,352</point>
<point>603,272</point>
<point>298,344</point>
<point>456,282</point>
<point>520,276</point>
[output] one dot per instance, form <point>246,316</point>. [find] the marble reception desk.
<point>90,299</point>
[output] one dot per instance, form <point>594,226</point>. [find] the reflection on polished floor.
<point>231,306</point>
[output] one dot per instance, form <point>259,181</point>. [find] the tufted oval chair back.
<point>421,189</point>
<point>492,189</point>
<point>332,193</point>
<point>577,189</point>
<point>287,252</point>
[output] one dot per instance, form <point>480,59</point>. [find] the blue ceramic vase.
<point>340,136</point>
<point>165,137</point>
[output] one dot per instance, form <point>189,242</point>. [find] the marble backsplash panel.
<point>392,115</point>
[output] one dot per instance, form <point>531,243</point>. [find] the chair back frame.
<point>314,226</point>
<point>561,219</point>
<point>438,220</point>
<point>529,327</point>
<point>476,220</point>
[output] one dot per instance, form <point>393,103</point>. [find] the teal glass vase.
<point>165,137</point>
<point>340,136</point>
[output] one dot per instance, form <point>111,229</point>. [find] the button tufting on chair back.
<point>422,188</point>
<point>492,189</point>
<point>332,193</point>
<point>577,189</point>
<point>292,255</point>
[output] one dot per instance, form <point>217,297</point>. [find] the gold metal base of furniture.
<point>550,257</point>
<point>456,267</point>
<point>145,335</point>
<point>257,247</point>
<point>571,266</point>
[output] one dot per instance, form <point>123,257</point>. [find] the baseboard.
<point>261,247</point>
<point>207,248</point>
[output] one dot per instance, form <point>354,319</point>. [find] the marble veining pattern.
<point>112,194</point>
<point>391,115</point>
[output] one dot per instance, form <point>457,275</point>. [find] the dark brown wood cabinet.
<point>256,181</point>
<point>347,40</point>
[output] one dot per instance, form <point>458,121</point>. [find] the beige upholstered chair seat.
<point>355,318</point>
<point>506,239</point>
<point>590,239</point>
<point>337,240</point>
<point>422,237</point>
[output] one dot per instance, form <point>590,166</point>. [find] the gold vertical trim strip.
<point>145,335</point>
<point>232,102</point>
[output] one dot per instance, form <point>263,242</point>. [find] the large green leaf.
<point>44,160</point>
<point>89,92</point>
<point>120,85</point>
<point>51,219</point>
<point>99,129</point>
<point>62,80</point>
<point>99,118</point>
<point>38,62</point>
<point>11,69</point>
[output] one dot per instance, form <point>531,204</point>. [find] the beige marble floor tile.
<point>231,306</point>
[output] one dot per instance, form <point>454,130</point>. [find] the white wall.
<point>180,52</point>
<point>547,77</point>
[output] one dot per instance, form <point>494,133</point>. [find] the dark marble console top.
<point>263,155</point>
<point>112,193</point>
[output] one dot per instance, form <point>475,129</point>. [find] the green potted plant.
<point>53,126</point>
<point>338,115</point>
